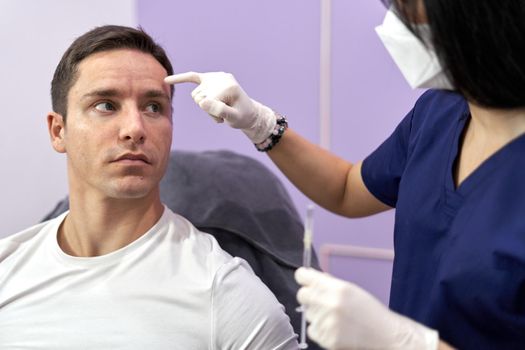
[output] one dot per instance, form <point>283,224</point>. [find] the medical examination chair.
<point>246,208</point>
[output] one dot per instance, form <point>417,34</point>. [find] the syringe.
<point>307,260</point>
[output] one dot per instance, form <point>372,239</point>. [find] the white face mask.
<point>419,64</point>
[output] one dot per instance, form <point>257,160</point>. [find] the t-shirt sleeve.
<point>382,170</point>
<point>245,314</point>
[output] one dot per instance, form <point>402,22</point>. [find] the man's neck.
<point>97,226</point>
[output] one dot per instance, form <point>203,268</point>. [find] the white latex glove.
<point>221,96</point>
<point>344,316</point>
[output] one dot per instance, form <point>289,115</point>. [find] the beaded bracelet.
<point>275,136</point>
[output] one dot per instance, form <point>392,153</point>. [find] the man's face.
<point>118,130</point>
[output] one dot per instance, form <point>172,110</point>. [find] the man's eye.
<point>104,107</point>
<point>153,108</point>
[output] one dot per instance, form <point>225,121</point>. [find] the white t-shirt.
<point>172,288</point>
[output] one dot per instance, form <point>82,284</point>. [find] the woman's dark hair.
<point>481,45</point>
<point>105,38</point>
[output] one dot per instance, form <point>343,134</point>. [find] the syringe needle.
<point>307,260</point>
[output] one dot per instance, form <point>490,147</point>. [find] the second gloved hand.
<point>344,316</point>
<point>221,96</point>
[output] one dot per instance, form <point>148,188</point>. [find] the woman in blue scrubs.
<point>454,170</point>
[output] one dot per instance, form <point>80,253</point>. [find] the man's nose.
<point>132,128</point>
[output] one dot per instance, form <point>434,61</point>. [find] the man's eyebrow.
<point>114,93</point>
<point>157,94</point>
<point>101,93</point>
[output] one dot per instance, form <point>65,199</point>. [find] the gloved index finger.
<point>188,77</point>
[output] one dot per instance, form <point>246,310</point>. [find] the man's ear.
<point>56,128</point>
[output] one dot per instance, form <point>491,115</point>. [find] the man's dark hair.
<point>105,38</point>
<point>481,45</point>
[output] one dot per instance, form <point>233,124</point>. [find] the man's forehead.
<point>119,57</point>
<point>120,70</point>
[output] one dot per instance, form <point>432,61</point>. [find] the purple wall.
<point>272,47</point>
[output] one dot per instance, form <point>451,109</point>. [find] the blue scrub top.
<point>459,252</point>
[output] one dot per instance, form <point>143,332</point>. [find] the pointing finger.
<point>188,77</point>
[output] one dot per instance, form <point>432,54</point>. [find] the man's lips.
<point>133,157</point>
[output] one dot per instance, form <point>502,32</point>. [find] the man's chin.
<point>129,195</point>
<point>131,190</point>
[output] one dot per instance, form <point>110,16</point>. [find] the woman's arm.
<point>328,180</point>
